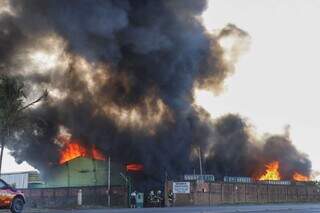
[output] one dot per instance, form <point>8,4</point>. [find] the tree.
<point>12,104</point>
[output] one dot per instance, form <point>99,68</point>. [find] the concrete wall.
<point>237,193</point>
<point>67,197</point>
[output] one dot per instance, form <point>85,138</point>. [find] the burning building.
<point>121,76</point>
<point>84,171</point>
<point>81,165</point>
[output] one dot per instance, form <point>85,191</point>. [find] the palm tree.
<point>12,104</point>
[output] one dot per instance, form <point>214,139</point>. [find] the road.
<point>283,208</point>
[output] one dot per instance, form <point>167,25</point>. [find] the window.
<point>2,185</point>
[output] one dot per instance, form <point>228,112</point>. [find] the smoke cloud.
<point>121,75</point>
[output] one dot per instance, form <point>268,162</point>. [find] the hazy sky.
<point>276,81</point>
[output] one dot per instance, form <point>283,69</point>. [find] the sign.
<point>181,187</point>
<point>276,182</point>
<point>208,178</point>
<point>238,179</point>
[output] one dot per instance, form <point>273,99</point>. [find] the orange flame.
<point>97,154</point>
<point>74,150</point>
<point>272,172</point>
<point>134,167</point>
<point>300,177</point>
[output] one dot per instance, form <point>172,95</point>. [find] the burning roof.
<point>75,149</point>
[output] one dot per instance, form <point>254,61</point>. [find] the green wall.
<point>84,172</point>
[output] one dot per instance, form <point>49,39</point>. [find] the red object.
<point>134,167</point>
<point>11,198</point>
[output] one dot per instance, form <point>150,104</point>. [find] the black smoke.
<point>236,151</point>
<point>123,78</point>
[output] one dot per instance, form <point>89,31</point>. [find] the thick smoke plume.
<point>121,75</point>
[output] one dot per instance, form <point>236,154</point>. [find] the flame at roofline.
<point>272,172</point>
<point>74,150</point>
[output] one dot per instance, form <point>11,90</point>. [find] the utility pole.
<point>126,179</point>
<point>200,163</point>
<point>166,176</point>
<point>109,180</point>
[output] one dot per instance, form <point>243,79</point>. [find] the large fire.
<point>272,172</point>
<point>300,177</point>
<point>74,150</point>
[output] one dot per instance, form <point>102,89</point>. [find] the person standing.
<point>133,199</point>
<point>170,198</point>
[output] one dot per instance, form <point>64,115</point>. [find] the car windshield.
<point>2,185</point>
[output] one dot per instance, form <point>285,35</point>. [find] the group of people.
<point>153,199</point>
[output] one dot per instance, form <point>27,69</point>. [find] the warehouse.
<point>81,171</point>
<point>23,180</point>
<point>84,171</point>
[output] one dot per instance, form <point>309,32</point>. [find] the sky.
<point>276,81</point>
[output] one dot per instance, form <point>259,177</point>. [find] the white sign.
<point>181,187</point>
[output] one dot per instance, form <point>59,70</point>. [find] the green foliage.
<point>11,100</point>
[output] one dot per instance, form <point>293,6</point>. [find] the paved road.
<point>285,208</point>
